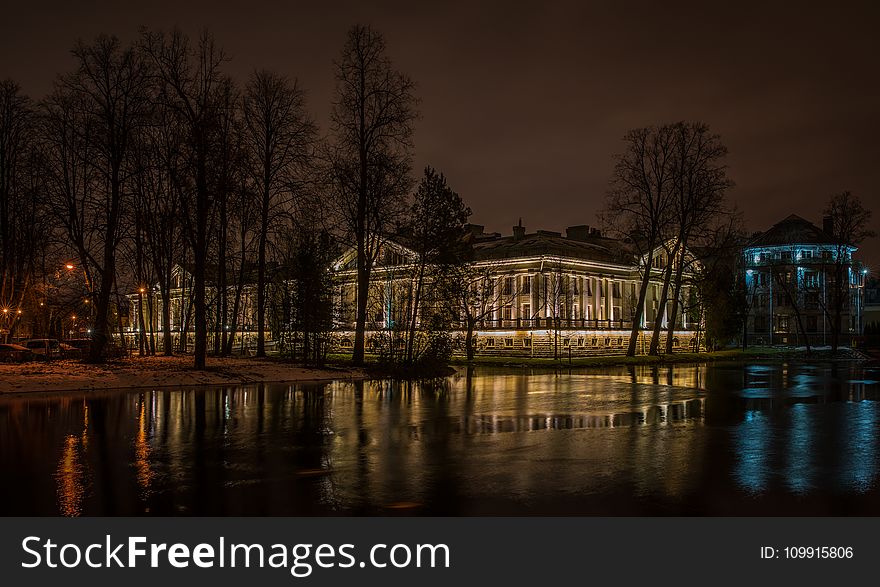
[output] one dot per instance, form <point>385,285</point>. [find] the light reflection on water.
<point>692,439</point>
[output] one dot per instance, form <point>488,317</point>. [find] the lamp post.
<point>70,267</point>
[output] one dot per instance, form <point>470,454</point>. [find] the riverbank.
<point>177,371</point>
<point>751,354</point>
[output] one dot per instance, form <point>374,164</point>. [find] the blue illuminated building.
<point>791,274</point>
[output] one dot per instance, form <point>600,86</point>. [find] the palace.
<point>546,295</point>
<point>791,270</point>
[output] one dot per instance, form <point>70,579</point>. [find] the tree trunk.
<point>167,343</point>
<point>415,314</point>
<point>640,306</point>
<point>676,300</point>
<point>100,332</point>
<point>236,305</point>
<point>201,257</point>
<point>836,323</point>
<point>363,287</point>
<point>261,274</point>
<point>119,320</point>
<point>654,348</point>
<point>150,323</point>
<point>469,339</point>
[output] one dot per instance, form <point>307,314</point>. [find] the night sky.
<point>523,107</point>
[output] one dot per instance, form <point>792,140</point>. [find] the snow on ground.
<point>74,375</point>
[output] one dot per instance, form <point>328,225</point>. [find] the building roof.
<point>212,271</point>
<point>542,242</point>
<point>793,230</point>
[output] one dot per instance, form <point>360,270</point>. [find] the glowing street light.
<point>70,266</point>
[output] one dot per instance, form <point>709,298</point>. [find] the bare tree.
<point>370,153</point>
<point>227,174</point>
<point>555,299</point>
<point>159,193</point>
<point>475,294</point>
<point>24,228</point>
<point>280,136</point>
<point>699,185</point>
<point>245,216</point>
<point>639,202</point>
<point>92,119</point>
<point>191,83</point>
<point>850,221</point>
<point>784,275</point>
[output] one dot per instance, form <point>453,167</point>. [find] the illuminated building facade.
<point>547,295</point>
<point>146,310</point>
<point>791,271</point>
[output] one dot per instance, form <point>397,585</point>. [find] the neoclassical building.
<point>790,274</point>
<point>545,294</point>
<point>241,317</point>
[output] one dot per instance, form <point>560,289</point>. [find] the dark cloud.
<point>524,106</point>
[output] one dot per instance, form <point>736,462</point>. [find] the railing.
<point>792,261</point>
<point>552,323</point>
<point>531,323</point>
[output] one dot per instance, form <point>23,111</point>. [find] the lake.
<point>688,439</point>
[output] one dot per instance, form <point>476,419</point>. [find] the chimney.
<point>519,231</point>
<point>577,233</point>
<point>476,229</point>
<point>828,225</point>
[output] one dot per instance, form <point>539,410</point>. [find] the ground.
<point>74,375</point>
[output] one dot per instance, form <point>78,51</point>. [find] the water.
<point>722,439</point>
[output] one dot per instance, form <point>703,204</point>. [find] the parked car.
<point>15,353</point>
<point>51,348</point>
<point>82,344</point>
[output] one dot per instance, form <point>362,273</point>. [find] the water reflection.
<point>72,472</point>
<point>142,451</point>
<point>806,428</point>
<point>692,439</point>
